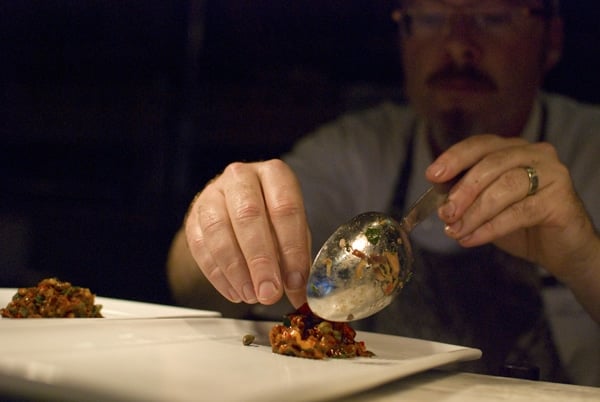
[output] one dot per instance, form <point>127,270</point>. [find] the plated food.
<point>303,334</point>
<point>52,298</point>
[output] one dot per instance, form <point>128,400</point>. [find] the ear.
<point>555,42</point>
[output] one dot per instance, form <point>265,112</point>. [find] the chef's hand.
<point>248,234</point>
<point>490,203</point>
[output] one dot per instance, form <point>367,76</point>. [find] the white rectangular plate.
<point>196,359</point>
<point>118,308</point>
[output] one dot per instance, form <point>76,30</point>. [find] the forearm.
<point>184,276</point>
<point>585,282</point>
<point>587,295</point>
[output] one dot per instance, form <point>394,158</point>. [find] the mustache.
<point>466,73</point>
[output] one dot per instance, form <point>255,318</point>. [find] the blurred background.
<point>113,113</point>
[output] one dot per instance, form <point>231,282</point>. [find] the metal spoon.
<point>367,261</point>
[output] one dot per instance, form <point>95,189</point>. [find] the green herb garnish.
<point>373,235</point>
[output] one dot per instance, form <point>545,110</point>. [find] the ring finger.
<point>204,259</point>
<point>225,265</point>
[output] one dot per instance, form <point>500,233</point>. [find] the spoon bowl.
<point>360,268</point>
<point>366,262</point>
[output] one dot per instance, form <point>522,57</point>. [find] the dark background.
<point>114,113</point>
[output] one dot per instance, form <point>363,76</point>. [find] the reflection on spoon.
<point>366,262</point>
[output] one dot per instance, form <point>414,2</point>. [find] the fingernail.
<point>437,169</point>
<point>448,209</point>
<point>234,296</point>
<point>266,291</point>
<point>294,280</point>
<point>454,228</point>
<point>249,295</point>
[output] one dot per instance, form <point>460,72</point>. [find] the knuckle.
<point>275,164</point>
<point>513,179</point>
<point>247,211</point>
<point>490,229</point>
<point>235,168</point>
<point>545,148</point>
<point>295,254</point>
<point>484,138</point>
<point>259,260</point>
<point>211,222</point>
<point>213,273</point>
<point>563,176</point>
<point>500,157</point>
<point>525,211</point>
<point>196,242</point>
<point>469,190</point>
<point>233,267</point>
<point>492,200</point>
<point>285,207</point>
<point>193,235</point>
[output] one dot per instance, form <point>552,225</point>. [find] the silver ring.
<point>533,180</point>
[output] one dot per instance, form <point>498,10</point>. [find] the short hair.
<point>552,6</point>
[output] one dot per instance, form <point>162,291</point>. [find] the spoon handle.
<point>431,200</point>
<point>424,206</point>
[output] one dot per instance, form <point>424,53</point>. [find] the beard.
<point>459,102</point>
<point>452,118</point>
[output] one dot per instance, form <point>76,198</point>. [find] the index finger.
<point>465,154</point>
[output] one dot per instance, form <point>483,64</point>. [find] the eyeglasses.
<point>423,23</point>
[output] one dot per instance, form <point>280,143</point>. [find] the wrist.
<point>584,268</point>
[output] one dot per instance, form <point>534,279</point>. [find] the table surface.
<point>446,386</point>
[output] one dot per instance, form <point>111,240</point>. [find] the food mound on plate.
<point>303,334</point>
<point>52,298</point>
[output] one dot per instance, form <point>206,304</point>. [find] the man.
<point>528,161</point>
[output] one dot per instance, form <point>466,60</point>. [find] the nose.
<point>461,40</point>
